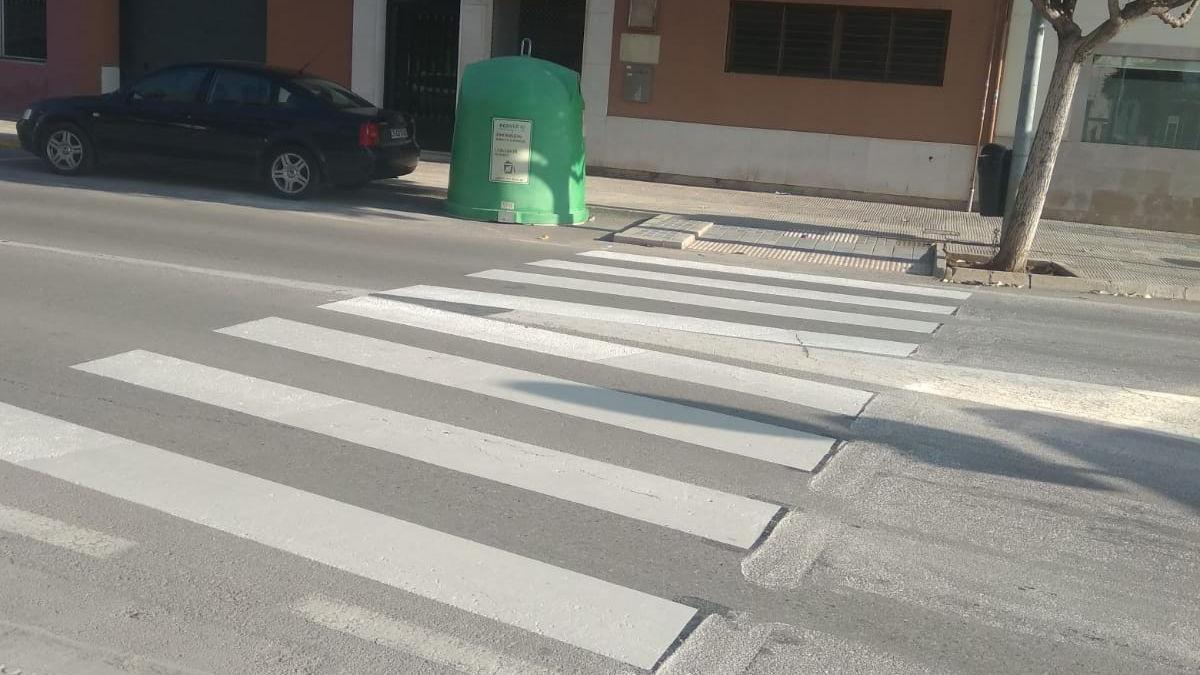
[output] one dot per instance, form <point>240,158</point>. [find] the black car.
<point>294,131</point>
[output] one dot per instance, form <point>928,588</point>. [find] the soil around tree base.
<point>1042,267</point>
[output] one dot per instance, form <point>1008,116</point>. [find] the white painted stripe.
<point>717,431</point>
<point>688,324</point>
<point>579,610</point>
<point>60,534</point>
<point>653,499</point>
<point>817,395</point>
<point>425,643</point>
<point>1155,411</point>
<point>779,274</point>
<point>763,289</point>
<point>710,301</point>
<point>481,328</point>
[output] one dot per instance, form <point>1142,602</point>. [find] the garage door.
<point>156,33</point>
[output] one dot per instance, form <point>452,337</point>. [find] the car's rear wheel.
<point>67,150</point>
<point>292,173</point>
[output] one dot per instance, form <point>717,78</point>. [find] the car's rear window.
<point>333,94</point>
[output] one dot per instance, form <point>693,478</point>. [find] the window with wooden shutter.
<point>808,40</point>
<point>754,47</point>
<point>918,54</point>
<point>23,29</point>
<point>905,46</point>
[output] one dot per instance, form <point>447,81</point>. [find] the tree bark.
<point>1020,224</point>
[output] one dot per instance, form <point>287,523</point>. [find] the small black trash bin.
<point>995,160</point>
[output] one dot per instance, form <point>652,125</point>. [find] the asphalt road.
<point>352,435</point>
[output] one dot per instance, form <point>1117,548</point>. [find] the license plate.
<point>399,133</point>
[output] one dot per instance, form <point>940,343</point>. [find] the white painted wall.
<point>369,49</point>
<point>597,67</point>
<point>827,161</point>
<point>474,33</point>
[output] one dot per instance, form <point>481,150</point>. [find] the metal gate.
<point>157,33</point>
<point>555,27</point>
<point>422,66</point>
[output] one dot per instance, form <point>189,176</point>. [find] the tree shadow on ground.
<point>1061,450</point>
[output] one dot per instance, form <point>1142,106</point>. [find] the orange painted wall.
<point>298,30</point>
<point>81,36</point>
<point>691,85</point>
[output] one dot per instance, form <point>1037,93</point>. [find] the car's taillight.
<point>368,135</point>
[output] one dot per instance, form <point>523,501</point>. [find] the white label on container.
<point>511,145</point>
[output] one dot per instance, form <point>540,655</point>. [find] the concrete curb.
<point>665,231</point>
<point>939,260</point>
<point>1046,282</point>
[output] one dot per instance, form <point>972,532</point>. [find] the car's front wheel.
<point>67,150</point>
<point>292,173</point>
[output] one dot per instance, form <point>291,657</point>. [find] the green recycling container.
<point>518,153</point>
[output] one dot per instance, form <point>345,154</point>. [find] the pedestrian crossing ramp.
<point>627,624</point>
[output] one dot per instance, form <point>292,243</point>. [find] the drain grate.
<point>815,257</point>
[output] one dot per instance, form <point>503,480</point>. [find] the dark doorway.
<point>157,33</point>
<point>421,78</point>
<point>555,27</point>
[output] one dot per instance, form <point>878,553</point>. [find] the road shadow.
<point>1167,464</point>
<point>201,183</point>
<point>397,198</point>
<point>812,420</point>
<point>1105,456</point>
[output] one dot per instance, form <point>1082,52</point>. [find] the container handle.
<point>526,47</point>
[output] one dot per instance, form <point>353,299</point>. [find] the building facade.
<point>675,90</point>
<point>84,47</point>
<point>55,53</point>
<point>1131,155</point>
<point>878,99</point>
<point>866,98</point>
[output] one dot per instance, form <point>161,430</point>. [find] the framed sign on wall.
<point>643,14</point>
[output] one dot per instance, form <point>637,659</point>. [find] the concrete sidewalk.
<point>859,234</point>
<point>8,134</point>
<point>882,236</point>
<point>865,231</point>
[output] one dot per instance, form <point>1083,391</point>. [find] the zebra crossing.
<point>509,586</point>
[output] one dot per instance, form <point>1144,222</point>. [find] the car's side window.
<point>231,87</point>
<point>177,85</point>
<point>290,99</point>
<point>285,98</point>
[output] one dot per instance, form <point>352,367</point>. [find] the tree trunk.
<point>1020,224</point>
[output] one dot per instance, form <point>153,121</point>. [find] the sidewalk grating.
<point>915,265</point>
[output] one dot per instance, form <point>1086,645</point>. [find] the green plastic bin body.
<point>518,153</point>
